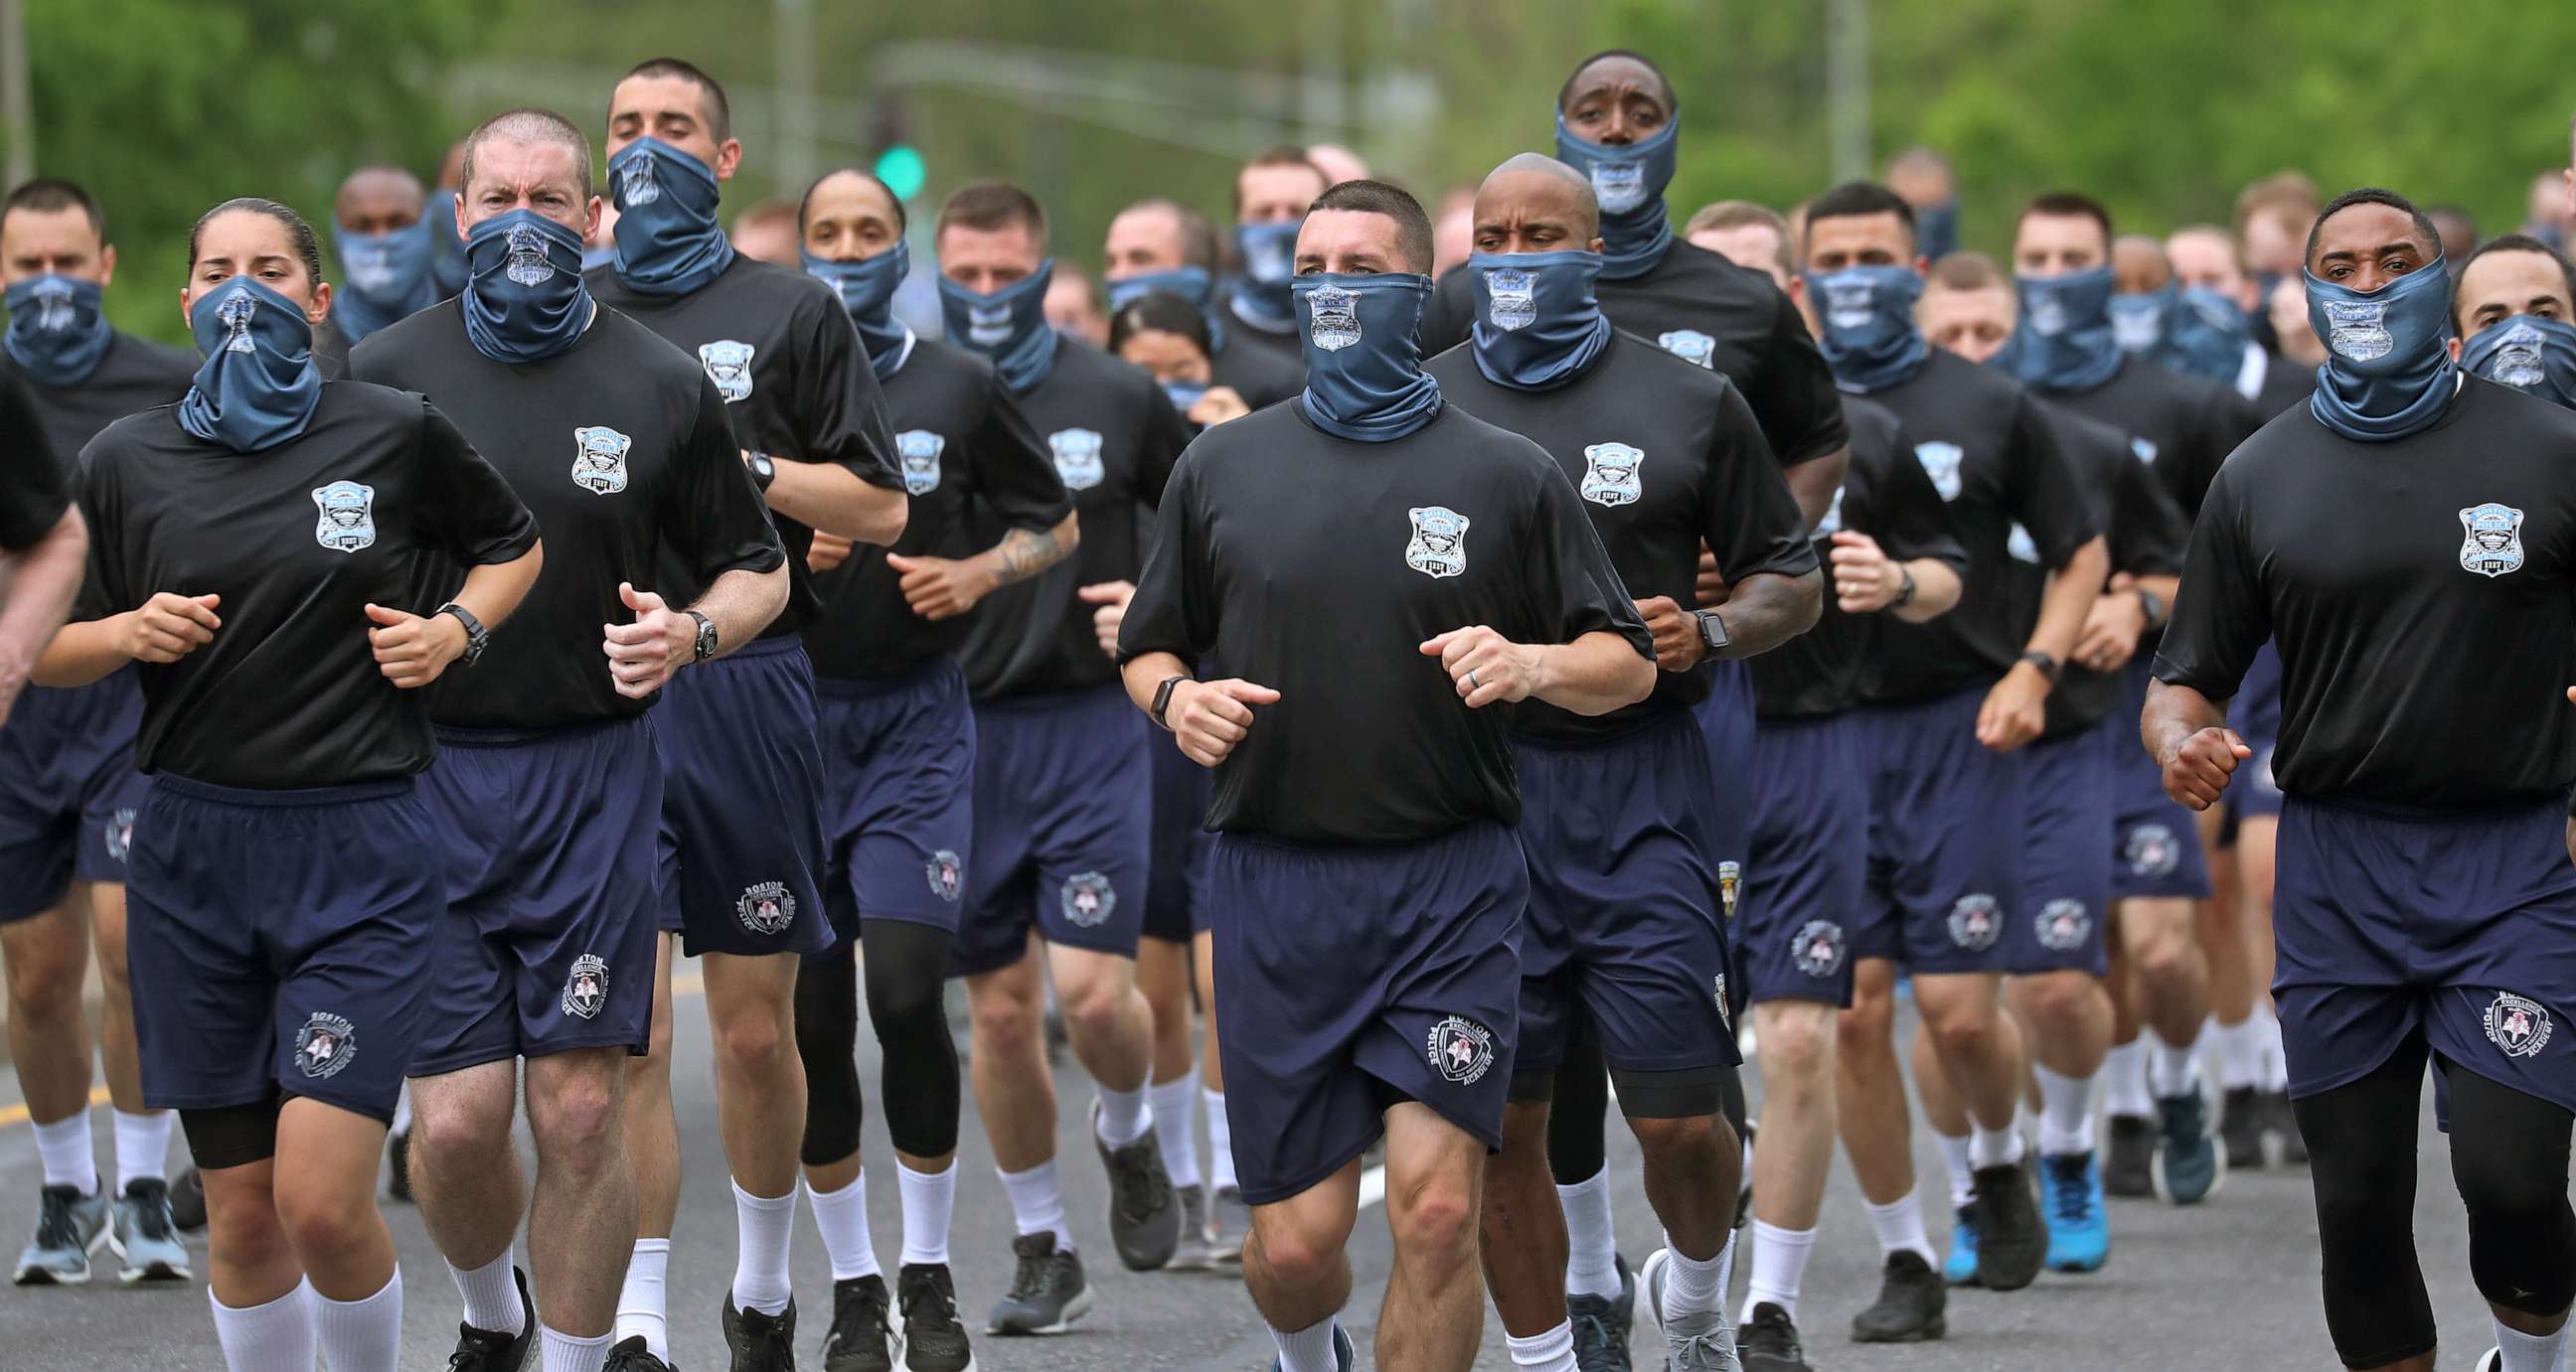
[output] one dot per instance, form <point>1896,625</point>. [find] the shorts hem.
<point>19,912</point>
<point>220,1100</point>
<point>384,1116</point>
<point>467,1058</point>
<point>1305,1181</point>
<point>1841,1001</point>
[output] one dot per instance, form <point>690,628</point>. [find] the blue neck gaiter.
<point>2205,336</point>
<point>2388,370</point>
<point>447,263</point>
<point>1184,394</point>
<point>1869,337</point>
<point>57,329</point>
<point>258,386</point>
<point>867,292</point>
<point>2065,342</point>
<point>1636,230</point>
<point>1192,284</point>
<point>1364,377</point>
<point>1008,326</point>
<point>384,277</point>
<point>524,298</point>
<point>2532,355</point>
<point>1261,294</point>
<point>668,240</point>
<point>1538,324</point>
<point>2138,318</point>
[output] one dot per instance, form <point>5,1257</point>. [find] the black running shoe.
<point>2128,1165</point>
<point>1770,1342</point>
<point>1911,1298</point>
<point>633,1355</point>
<point>934,1339</point>
<point>188,1201</point>
<point>485,1350</point>
<point>1048,1291</point>
<point>1601,1325</point>
<point>2280,1119</point>
<point>1144,1213</point>
<point>2240,1128</point>
<point>398,1166</point>
<point>860,1339</point>
<point>2011,1240</point>
<point>761,1343</point>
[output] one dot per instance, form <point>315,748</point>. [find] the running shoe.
<point>69,1227</point>
<point>1960,1269</point>
<point>1911,1299</point>
<point>2188,1166</point>
<point>2240,1128</point>
<point>758,1342</point>
<point>2079,1222</point>
<point>1601,1325</point>
<point>1196,1250</point>
<point>632,1354</point>
<point>146,1235</point>
<point>861,1339</point>
<point>1048,1292</point>
<point>1144,1221</point>
<point>934,1339</point>
<point>489,1350</point>
<point>1770,1343</point>
<point>2129,1170</point>
<point>2011,1241</point>
<point>1704,1342</point>
<point>188,1201</point>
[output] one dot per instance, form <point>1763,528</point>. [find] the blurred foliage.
<point>166,106</point>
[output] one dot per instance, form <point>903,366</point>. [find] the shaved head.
<point>1533,180</point>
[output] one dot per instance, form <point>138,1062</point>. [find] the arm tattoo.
<point>1023,553</point>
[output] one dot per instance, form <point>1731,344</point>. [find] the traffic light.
<point>899,163</point>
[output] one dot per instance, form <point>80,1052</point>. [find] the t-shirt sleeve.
<point>2146,524</point>
<point>1174,608</point>
<point>844,413</point>
<point>2220,617</point>
<point>2043,489</point>
<point>1010,469</point>
<point>1800,408</point>
<point>713,517</point>
<point>1160,440</point>
<point>32,493</point>
<point>1747,515</point>
<point>1904,511</point>
<point>1572,589</point>
<point>105,589</point>
<point>463,505</point>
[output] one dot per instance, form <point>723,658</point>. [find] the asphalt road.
<point>2228,1285</point>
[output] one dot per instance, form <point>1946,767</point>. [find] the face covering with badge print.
<point>258,386</point>
<point>668,240</point>
<point>1269,252</point>
<point>2065,340</point>
<point>1364,377</point>
<point>384,277</point>
<point>58,331</point>
<point>1869,339</point>
<point>1538,324</point>
<point>1636,229</point>
<point>1007,326</point>
<point>2533,355</point>
<point>867,291</point>
<point>2388,370</point>
<point>524,298</point>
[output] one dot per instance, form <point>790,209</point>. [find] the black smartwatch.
<point>476,637</point>
<point>1712,632</point>
<point>707,644</point>
<point>1163,701</point>
<point>2153,604</point>
<point>1904,589</point>
<point>763,471</point>
<point>2047,665</point>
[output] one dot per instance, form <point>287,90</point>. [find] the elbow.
<point>1638,682</point>
<point>889,511</point>
<point>773,595</point>
<point>70,536</point>
<point>1068,533</point>
<point>2091,563</point>
<point>1806,602</point>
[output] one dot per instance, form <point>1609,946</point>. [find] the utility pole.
<point>1847,86</point>
<point>792,23</point>
<point>17,103</point>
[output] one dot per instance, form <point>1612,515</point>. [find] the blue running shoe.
<point>1601,1325</point>
<point>2188,1163</point>
<point>2079,1229</point>
<point>1961,1269</point>
<point>69,1227</point>
<point>146,1236</point>
<point>1344,1356</point>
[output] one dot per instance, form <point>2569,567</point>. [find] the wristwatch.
<point>1163,701</point>
<point>763,471</point>
<point>1904,589</point>
<point>2153,604</point>
<point>477,638</point>
<point>1712,632</point>
<point>707,644</point>
<point>2047,665</point>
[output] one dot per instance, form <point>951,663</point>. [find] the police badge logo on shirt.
<point>2019,546</point>
<point>1730,879</point>
<point>1690,345</point>
<point>1610,476</point>
<point>1088,898</point>
<point>2493,546</point>
<point>1077,458</point>
<point>1439,546</point>
<point>2358,329</point>
<point>1817,948</point>
<point>2145,449</point>
<point>1461,1049</point>
<point>1975,923</point>
<point>120,835</point>
<point>2062,925</point>
<point>599,459</point>
<point>919,451</point>
<point>2517,1024</point>
<point>728,364</point>
<point>1333,318</point>
<point>585,991</point>
<point>324,1046</point>
<point>348,520</point>
<point>947,874</point>
<point>2151,851</point>
<point>1941,462</point>
<point>1514,298</point>
<point>766,907</point>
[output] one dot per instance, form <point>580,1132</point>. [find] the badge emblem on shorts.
<point>1974,924</point>
<point>599,459</point>
<point>947,873</point>
<point>1088,898</point>
<point>1077,458</point>
<point>1817,948</point>
<point>766,907</point>
<point>2358,329</point>
<point>1332,318</point>
<point>2518,1024</point>
<point>2145,450</point>
<point>2019,546</point>
<point>324,1045</point>
<point>1690,345</point>
<point>1610,475</point>
<point>586,987</point>
<point>1439,546</point>
<point>2152,851</point>
<point>1730,880</point>
<point>2062,925</point>
<point>1462,1050</point>
<point>1941,462</point>
<point>120,834</point>
<point>2517,359</point>
<point>2493,546</point>
<point>348,520</point>
<point>1513,296</point>
<point>728,364</point>
<point>919,450</point>
<point>527,263</point>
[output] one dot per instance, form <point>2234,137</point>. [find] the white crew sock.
<point>1220,1141</point>
<point>1591,1241</point>
<point>2173,1069</point>
<point>361,1335</point>
<point>1779,1267</point>
<point>564,1353</point>
<point>1955,1161</point>
<point>142,1147</point>
<point>1899,1225</point>
<point>402,1111</point>
<point>2124,1080</point>
<point>69,1153</point>
<point>1552,1351</point>
<point>1693,1287</point>
<point>2530,1352</point>
<point>762,1226</point>
<point>1993,1147</point>
<point>2276,1060</point>
<point>640,1311</point>
<point>275,1337</point>
<point>2065,1112</point>
<point>2240,1053</point>
<point>1037,1202</point>
<point>491,1295</point>
<point>842,1216</point>
<point>929,1198</point>
<point>1170,1104</point>
<point>1309,1349</point>
<point>1124,1116</point>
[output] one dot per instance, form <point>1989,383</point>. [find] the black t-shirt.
<point>34,488</point>
<point>1995,464</point>
<point>1666,457</point>
<point>1886,495</point>
<point>297,540</point>
<point>1703,308</point>
<point>1319,566</point>
<point>2419,592</point>
<point>1262,376</point>
<point>1112,436</point>
<point>796,383</point>
<point>621,448</point>
<point>2183,426</point>
<point>132,377</point>
<point>2285,383</point>
<point>964,445</point>
<point>2143,530</point>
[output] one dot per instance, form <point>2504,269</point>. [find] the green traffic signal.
<point>902,170</point>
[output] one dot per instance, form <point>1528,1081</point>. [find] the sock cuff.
<point>1598,1181</point>
<point>907,1174</point>
<point>751,1202</point>
<point>502,1262</point>
<point>393,1285</point>
<point>1043,1171</point>
<point>303,1291</point>
<point>1772,1233</point>
<point>662,1246</point>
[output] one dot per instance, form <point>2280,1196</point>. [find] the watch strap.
<point>1163,701</point>
<point>2047,665</point>
<point>706,636</point>
<point>1904,589</point>
<point>476,636</point>
<point>1713,634</point>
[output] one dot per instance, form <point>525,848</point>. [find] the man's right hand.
<point>829,551</point>
<point>2200,769</point>
<point>168,627</point>
<point>1110,598</point>
<point>1207,718</point>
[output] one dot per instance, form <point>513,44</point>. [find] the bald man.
<point>388,252</point>
<point>1338,163</point>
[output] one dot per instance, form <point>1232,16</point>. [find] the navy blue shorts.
<point>1349,979</point>
<point>2155,843</point>
<point>741,838</point>
<point>2066,857</point>
<point>1176,886</point>
<point>1726,725</point>
<point>898,797</point>
<point>1810,797</point>
<point>2256,717</point>
<point>68,791</point>
<point>281,941</point>
<point>1944,873</point>
<point>1063,827</point>
<point>548,944</point>
<point>1624,926</point>
<point>2459,925</point>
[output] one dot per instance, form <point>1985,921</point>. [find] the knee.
<point>1683,1142</point>
<point>2057,997</point>
<point>318,1222</point>
<point>242,1224</point>
<point>1096,1005</point>
<point>2162,950</point>
<point>44,979</point>
<point>1435,1217</point>
<point>2515,1193</point>
<point>898,1010</point>
<point>1004,1018</point>
<point>1795,1050</point>
<point>1297,1257</point>
<point>1963,1029</point>
<point>755,1039</point>
<point>575,1118</point>
<point>457,1132</point>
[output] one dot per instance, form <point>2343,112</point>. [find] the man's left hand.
<point>1485,666</point>
<point>412,651</point>
<point>2015,710</point>
<point>2111,631</point>
<point>1678,645</point>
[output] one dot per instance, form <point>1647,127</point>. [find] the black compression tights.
<point>2509,1154</point>
<point>1578,1115</point>
<point>907,1006</point>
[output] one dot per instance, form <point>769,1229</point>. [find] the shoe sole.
<point>1074,1309</point>
<point>1938,1328</point>
<point>2164,1190</point>
<point>2083,1265</point>
<point>46,1276</point>
<point>893,1351</point>
<point>155,1272</point>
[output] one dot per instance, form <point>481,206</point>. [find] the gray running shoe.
<point>1048,1291</point>
<point>2188,1166</point>
<point>861,1339</point>
<point>1601,1325</point>
<point>1229,1224</point>
<point>1196,1252</point>
<point>1704,1342</point>
<point>69,1227</point>
<point>146,1234</point>
<point>1144,1220</point>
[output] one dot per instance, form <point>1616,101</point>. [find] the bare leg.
<point>1014,1091</point>
<point>1203,966</point>
<point>47,960</point>
<point>581,1227</point>
<point>325,1188</point>
<point>116,1045</point>
<point>464,1171</point>
<point>1869,1087</point>
<point>248,1260</point>
<point>2070,1020</point>
<point>1294,1264</point>
<point>1163,978</point>
<point>1433,1315</point>
<point>1111,1026</point>
<point>1978,1047</point>
<point>1793,1151</point>
<point>760,1082</point>
<point>1524,1227</point>
<point>652,1129</point>
<point>2172,974</point>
